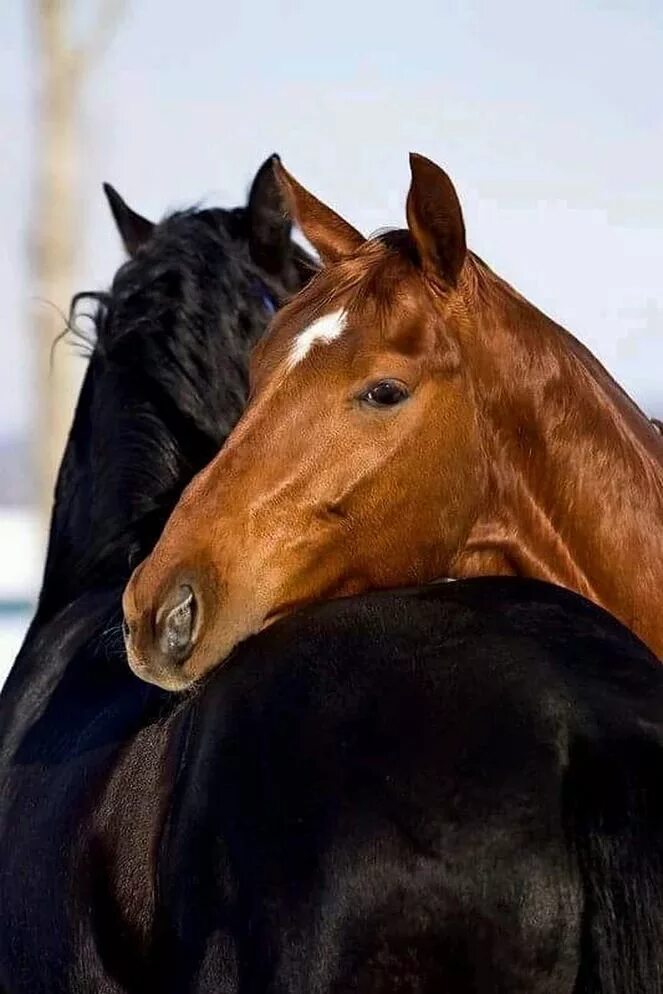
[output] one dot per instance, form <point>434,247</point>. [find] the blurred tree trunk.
<point>63,69</point>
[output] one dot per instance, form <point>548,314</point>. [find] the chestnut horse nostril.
<point>175,625</point>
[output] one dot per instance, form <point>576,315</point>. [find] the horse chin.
<point>291,606</point>
<point>273,618</point>
<point>281,612</point>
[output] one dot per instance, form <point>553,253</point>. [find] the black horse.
<point>166,381</point>
<point>453,789</point>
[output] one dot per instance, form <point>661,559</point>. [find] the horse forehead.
<point>325,329</point>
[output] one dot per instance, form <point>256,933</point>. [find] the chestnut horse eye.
<point>386,393</point>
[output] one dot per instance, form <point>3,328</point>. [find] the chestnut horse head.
<point>411,417</point>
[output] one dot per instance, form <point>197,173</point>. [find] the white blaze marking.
<point>326,329</point>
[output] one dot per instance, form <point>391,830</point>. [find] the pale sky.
<point>547,116</point>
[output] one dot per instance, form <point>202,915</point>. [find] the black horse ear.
<point>268,222</point>
<point>134,229</point>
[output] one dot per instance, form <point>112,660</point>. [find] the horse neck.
<point>97,515</point>
<point>71,518</point>
<point>576,470</point>
<point>134,445</point>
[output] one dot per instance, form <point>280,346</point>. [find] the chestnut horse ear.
<point>268,221</point>
<point>435,220</point>
<point>331,236</point>
<point>134,229</point>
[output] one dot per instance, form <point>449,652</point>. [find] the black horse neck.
<point>165,384</point>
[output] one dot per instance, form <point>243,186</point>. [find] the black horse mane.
<point>166,381</point>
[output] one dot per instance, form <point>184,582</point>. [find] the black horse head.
<point>167,378</point>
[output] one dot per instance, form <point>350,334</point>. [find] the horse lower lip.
<point>168,678</point>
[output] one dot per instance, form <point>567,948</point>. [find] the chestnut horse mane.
<point>638,445</point>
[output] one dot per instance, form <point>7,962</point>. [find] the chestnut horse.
<point>411,417</point>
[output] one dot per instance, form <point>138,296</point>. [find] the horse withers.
<point>166,380</point>
<point>411,417</point>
